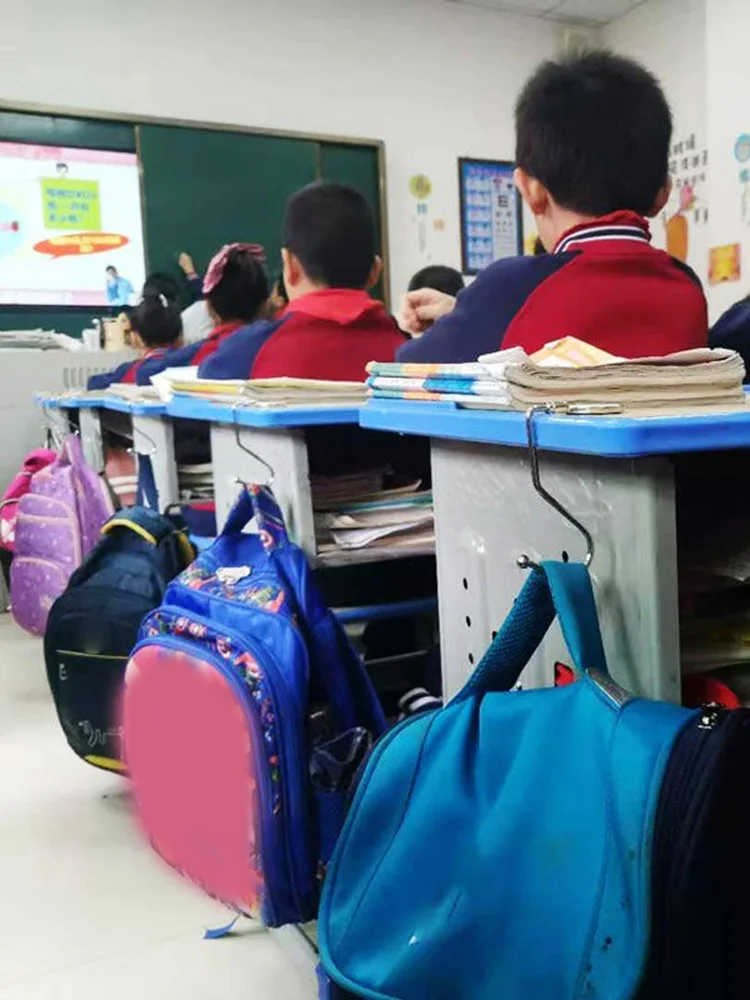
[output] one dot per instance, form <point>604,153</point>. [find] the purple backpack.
<point>57,524</point>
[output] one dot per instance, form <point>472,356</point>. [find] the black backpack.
<point>93,625</point>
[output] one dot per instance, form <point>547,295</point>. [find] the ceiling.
<point>593,12</point>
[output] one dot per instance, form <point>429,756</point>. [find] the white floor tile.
<point>85,905</point>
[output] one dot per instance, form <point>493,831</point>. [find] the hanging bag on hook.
<point>557,844</point>
<point>57,524</point>
<point>244,708</point>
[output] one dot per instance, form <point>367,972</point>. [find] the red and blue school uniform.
<point>176,357</point>
<point>732,329</point>
<point>604,283</point>
<point>128,371</point>
<point>328,334</point>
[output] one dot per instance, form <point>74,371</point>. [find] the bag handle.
<point>554,588</point>
<point>260,503</point>
<point>72,451</point>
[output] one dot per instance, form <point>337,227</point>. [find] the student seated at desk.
<point>593,137</point>
<point>236,290</point>
<point>156,330</point>
<point>331,327</point>
<point>732,330</point>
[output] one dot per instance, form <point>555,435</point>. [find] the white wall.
<point>669,37</point>
<point>727,31</point>
<point>435,80</point>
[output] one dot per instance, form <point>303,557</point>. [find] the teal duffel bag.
<point>560,844</point>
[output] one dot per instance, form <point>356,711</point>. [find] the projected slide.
<point>71,232</point>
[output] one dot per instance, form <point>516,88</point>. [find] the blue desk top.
<point>70,401</point>
<point>610,437</point>
<point>221,413</point>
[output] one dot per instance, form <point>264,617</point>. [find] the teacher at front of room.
<point>119,289</point>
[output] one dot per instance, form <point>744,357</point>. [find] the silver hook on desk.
<point>53,433</point>
<point>249,451</point>
<point>149,439</point>
<point>523,560</point>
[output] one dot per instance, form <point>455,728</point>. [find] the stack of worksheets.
<point>269,393</point>
<point>366,511</point>
<point>685,382</point>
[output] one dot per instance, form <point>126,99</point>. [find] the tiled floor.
<point>86,909</point>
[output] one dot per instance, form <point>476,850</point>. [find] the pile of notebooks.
<point>370,511</point>
<point>196,482</point>
<point>569,373</point>
<point>262,394</point>
<point>482,381</point>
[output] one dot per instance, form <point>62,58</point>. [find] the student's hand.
<point>185,262</point>
<point>420,309</point>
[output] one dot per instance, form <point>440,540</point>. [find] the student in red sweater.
<point>236,291</point>
<point>593,135</point>
<point>331,327</point>
<point>157,333</point>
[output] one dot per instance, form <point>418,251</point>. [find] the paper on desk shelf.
<point>384,518</point>
<point>163,381</point>
<point>134,393</point>
<point>360,538</point>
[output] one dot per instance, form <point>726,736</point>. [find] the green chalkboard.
<point>201,188</point>
<point>204,188</point>
<point>358,166</point>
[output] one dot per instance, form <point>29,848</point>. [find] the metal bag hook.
<point>523,560</point>
<point>149,440</point>
<point>249,451</point>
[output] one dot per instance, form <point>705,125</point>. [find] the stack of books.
<point>570,373</point>
<point>367,511</point>
<point>483,380</point>
<point>262,394</point>
<point>686,382</point>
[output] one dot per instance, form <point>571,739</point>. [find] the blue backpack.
<point>246,711</point>
<point>564,844</point>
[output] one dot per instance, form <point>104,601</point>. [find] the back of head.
<point>595,130</point>
<point>331,231</point>
<point>440,277</point>
<point>159,283</point>
<point>236,284</point>
<point>157,321</point>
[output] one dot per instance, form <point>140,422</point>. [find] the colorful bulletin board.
<point>491,216</point>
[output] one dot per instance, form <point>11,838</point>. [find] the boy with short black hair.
<point>440,277</point>
<point>593,137</point>
<point>332,327</point>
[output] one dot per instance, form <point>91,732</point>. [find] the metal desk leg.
<point>154,437</point>
<point>487,513</point>
<point>91,437</point>
<point>285,450</point>
<point>56,424</point>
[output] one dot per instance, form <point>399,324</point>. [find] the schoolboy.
<point>331,327</point>
<point>593,137</point>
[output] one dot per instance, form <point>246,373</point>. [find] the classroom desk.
<point>257,446</point>
<point>614,473</point>
<point>152,433</point>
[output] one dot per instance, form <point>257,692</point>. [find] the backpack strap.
<point>258,502</point>
<point>555,588</point>
<point>152,527</point>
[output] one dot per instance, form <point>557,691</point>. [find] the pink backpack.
<point>33,462</point>
<point>57,524</point>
